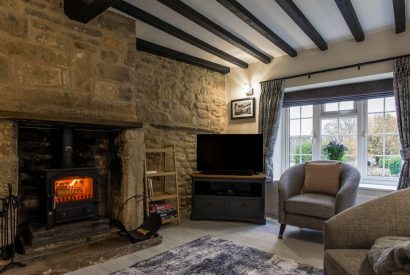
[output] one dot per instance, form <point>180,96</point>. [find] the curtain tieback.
<point>405,154</point>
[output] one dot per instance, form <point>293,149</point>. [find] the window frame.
<point>360,112</point>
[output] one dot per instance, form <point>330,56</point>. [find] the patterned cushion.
<point>316,205</point>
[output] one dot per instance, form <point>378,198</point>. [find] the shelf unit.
<point>167,193</point>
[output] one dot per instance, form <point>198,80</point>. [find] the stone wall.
<point>52,68</point>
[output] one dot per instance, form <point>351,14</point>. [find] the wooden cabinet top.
<point>253,177</point>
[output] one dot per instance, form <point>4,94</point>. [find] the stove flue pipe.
<point>67,148</point>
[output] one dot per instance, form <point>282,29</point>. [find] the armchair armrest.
<point>360,226</point>
<point>290,184</point>
<point>349,183</point>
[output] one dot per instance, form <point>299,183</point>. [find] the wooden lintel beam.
<point>154,21</point>
<point>300,19</point>
<point>86,10</point>
<point>214,28</point>
<point>245,15</point>
<point>146,46</point>
<point>399,7</point>
<point>349,14</point>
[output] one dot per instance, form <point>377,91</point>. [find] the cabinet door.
<point>245,207</point>
<point>210,205</point>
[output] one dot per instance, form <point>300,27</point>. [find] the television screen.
<point>230,152</point>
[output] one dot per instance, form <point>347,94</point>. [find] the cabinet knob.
<point>210,204</point>
<point>244,205</point>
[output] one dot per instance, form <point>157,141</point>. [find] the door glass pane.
<point>331,107</point>
<point>307,111</point>
<point>392,145</point>
<point>392,166</point>
<point>294,145</point>
<point>375,166</point>
<point>294,112</point>
<point>294,127</point>
<point>307,127</point>
<point>375,123</point>
<point>375,105</point>
<point>391,122</point>
<point>346,105</point>
<point>375,145</point>
<point>390,104</point>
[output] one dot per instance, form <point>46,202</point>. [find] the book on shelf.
<point>150,188</point>
<point>165,210</point>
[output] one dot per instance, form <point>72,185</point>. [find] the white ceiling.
<point>324,15</point>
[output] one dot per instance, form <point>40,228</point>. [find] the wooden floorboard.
<point>301,245</point>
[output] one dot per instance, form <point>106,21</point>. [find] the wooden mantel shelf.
<point>44,119</point>
<point>255,177</point>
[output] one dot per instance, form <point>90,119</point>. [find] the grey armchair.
<point>349,235</point>
<point>310,210</point>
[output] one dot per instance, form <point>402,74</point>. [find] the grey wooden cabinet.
<point>228,197</point>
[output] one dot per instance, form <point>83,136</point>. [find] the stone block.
<point>114,72</point>
<point>109,56</point>
<point>106,90</point>
<point>117,24</point>
<point>37,75</point>
<point>13,25</point>
<point>27,51</point>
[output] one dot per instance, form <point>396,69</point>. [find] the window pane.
<point>307,128</point>
<point>375,166</point>
<point>329,127</point>
<point>375,105</point>
<point>294,159</point>
<point>346,105</point>
<point>390,104</point>
<point>306,146</point>
<point>348,126</point>
<point>307,111</point>
<point>375,123</point>
<point>294,112</point>
<point>375,145</point>
<point>351,143</point>
<point>331,107</point>
<point>294,145</point>
<point>392,166</point>
<point>391,123</point>
<point>392,145</point>
<point>294,127</point>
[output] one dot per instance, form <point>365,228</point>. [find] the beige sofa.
<point>349,235</point>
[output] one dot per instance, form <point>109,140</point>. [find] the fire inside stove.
<point>75,188</point>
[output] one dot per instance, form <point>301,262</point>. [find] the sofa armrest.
<point>349,183</point>
<point>290,184</point>
<point>360,226</point>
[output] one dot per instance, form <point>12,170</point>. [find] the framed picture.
<point>243,108</point>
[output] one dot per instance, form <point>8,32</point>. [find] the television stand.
<point>228,197</point>
<point>229,172</point>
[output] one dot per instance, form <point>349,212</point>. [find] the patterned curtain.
<point>270,105</point>
<point>401,85</point>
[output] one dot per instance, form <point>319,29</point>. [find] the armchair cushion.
<point>322,177</point>
<point>309,204</point>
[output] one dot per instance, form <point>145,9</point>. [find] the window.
<point>383,145</point>
<point>368,128</point>
<point>300,135</point>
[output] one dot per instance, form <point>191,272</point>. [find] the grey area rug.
<point>209,255</point>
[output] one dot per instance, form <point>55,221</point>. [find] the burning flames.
<point>76,188</point>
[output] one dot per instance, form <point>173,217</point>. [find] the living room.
<point>226,105</point>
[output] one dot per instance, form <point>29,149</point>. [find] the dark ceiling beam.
<point>86,10</point>
<point>145,46</point>
<point>214,28</point>
<point>399,7</point>
<point>149,19</point>
<point>300,19</point>
<point>347,10</point>
<point>240,11</point>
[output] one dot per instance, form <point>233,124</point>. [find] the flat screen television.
<point>230,153</point>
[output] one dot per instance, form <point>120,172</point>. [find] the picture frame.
<point>243,108</point>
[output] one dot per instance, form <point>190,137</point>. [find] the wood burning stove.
<point>71,193</point>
